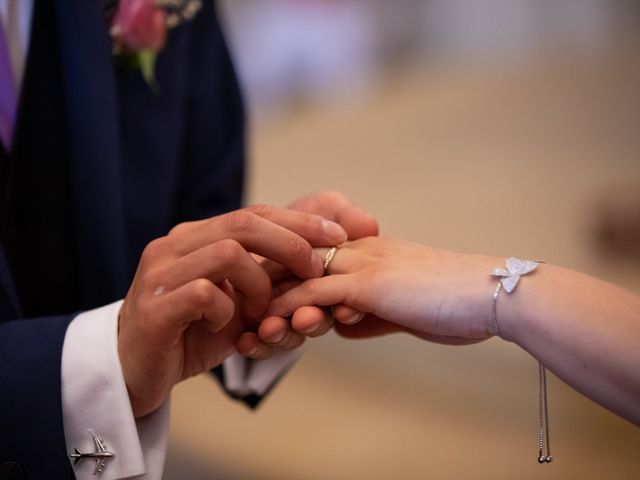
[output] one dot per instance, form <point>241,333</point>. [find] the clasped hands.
<point>199,292</point>
<point>252,281</point>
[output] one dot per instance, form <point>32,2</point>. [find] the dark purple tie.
<point>7,93</point>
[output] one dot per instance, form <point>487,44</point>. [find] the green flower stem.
<point>147,62</point>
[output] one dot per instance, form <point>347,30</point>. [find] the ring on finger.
<point>328,258</point>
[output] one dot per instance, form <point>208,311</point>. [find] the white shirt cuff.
<point>244,377</point>
<point>95,399</point>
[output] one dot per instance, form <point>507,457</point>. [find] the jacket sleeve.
<point>31,428</point>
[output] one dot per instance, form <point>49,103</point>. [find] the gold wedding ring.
<point>327,259</point>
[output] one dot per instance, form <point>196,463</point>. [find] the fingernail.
<point>334,230</point>
<point>309,330</point>
<point>353,319</point>
<point>277,338</point>
<point>253,352</point>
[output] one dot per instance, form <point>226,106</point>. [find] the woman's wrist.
<point>516,310</point>
<point>474,304</point>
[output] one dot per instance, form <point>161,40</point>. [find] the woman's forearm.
<point>584,330</point>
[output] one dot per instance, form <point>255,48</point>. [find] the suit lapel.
<point>91,103</point>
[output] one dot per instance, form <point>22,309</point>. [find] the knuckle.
<point>310,222</point>
<point>227,250</point>
<point>152,276</point>
<point>262,210</point>
<point>155,249</point>
<point>201,292</point>
<point>331,197</point>
<point>242,221</point>
<point>178,229</point>
<point>335,196</point>
<point>297,246</point>
<point>370,244</point>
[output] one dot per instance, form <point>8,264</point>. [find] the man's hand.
<point>338,208</point>
<point>185,307</point>
<point>309,321</point>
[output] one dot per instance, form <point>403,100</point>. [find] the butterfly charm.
<point>515,269</point>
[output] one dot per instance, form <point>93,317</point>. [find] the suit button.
<point>11,471</point>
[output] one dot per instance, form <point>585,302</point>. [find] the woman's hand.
<point>402,286</point>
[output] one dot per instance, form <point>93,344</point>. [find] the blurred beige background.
<point>503,128</point>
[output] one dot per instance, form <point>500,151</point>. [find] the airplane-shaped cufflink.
<point>101,455</point>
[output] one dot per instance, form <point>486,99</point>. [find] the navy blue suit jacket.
<point>135,163</point>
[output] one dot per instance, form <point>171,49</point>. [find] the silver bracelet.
<point>509,278</point>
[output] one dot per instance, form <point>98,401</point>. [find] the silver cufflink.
<point>101,455</point>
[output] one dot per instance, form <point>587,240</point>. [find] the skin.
<point>583,329</point>
<point>276,333</point>
<point>198,289</point>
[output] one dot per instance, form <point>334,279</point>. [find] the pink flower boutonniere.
<point>140,27</point>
